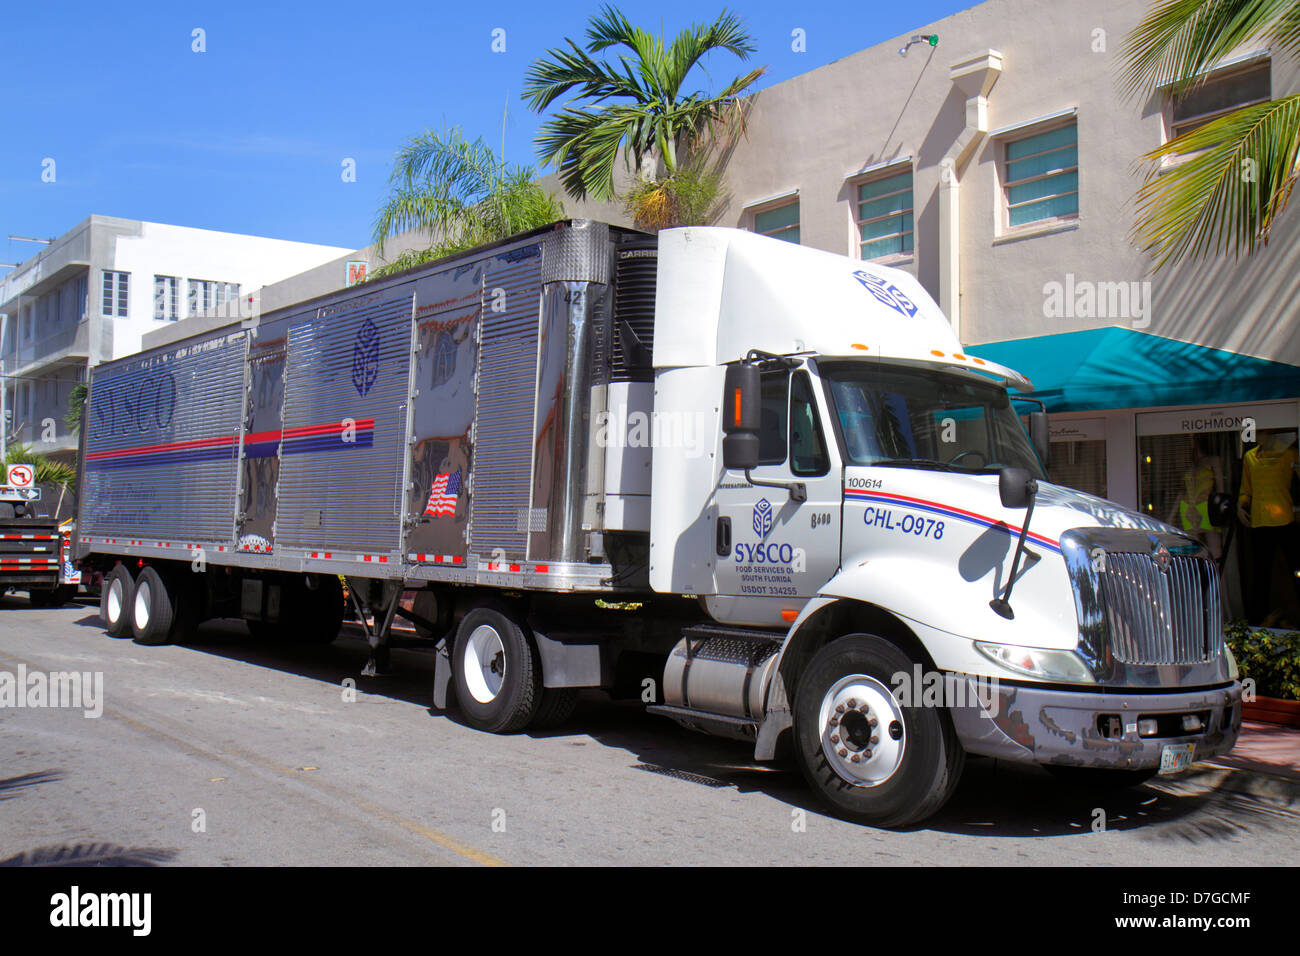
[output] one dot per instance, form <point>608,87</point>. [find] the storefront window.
<point>1078,455</point>
<point>1239,499</point>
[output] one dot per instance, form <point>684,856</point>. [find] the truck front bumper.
<point>1083,728</point>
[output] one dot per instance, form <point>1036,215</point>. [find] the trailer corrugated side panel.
<point>162,435</point>
<point>499,517</point>
<point>341,454</point>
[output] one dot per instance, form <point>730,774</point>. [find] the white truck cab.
<point>873,491</point>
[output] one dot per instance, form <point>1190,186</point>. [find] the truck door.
<point>767,544</point>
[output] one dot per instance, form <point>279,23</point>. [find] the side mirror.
<point>1016,487</point>
<point>1039,435</point>
<point>741,415</point>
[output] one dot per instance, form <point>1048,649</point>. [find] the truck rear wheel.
<point>869,757</point>
<point>557,706</point>
<point>498,680</point>
<point>116,595</point>
<point>153,609</point>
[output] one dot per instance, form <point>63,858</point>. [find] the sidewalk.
<point>1265,748</point>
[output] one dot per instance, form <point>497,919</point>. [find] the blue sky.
<point>250,136</point>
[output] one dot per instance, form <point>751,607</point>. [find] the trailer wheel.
<point>319,610</point>
<point>557,706</point>
<point>869,757</point>
<point>498,680</point>
<point>153,609</point>
<point>116,595</point>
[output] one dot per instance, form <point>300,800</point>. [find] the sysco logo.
<point>886,293</point>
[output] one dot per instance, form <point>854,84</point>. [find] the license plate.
<point>1176,757</point>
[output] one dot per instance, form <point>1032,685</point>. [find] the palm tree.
<point>458,192</point>
<point>76,402</point>
<point>47,470</point>
<point>635,105</point>
<point>1238,170</point>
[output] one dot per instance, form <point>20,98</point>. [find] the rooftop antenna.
<point>930,38</point>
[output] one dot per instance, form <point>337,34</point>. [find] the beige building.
<point>1000,167</point>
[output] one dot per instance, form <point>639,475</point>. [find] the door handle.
<point>723,542</point>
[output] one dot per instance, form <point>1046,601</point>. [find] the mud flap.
<point>441,674</point>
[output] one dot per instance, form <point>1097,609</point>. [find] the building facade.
<point>93,294</point>
<point>1000,166</point>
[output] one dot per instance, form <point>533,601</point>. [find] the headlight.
<point>1233,672</point>
<point>1038,662</point>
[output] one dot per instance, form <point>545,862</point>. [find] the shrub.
<point>1272,658</point>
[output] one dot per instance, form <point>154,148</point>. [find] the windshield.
<point>919,418</point>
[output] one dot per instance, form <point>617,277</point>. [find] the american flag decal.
<point>443,495</point>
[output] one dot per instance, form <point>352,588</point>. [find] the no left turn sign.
<point>19,476</point>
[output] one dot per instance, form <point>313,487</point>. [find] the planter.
<point>1272,710</point>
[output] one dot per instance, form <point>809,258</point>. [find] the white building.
<point>94,292</point>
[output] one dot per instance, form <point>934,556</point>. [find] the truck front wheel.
<point>116,595</point>
<point>869,757</point>
<point>1099,778</point>
<point>497,675</point>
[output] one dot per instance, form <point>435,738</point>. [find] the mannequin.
<point>1199,482</point>
<point>1265,506</point>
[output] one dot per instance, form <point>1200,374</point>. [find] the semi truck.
<point>35,547</point>
<point>762,483</point>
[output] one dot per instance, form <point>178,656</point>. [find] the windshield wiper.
<point>927,463</point>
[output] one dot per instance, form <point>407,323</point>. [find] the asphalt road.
<point>257,743</point>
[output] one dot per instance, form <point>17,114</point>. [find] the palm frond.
<point>626,84</point>
<point>458,193</point>
<point>47,470</point>
<point>1226,194</point>
<point>1179,39</point>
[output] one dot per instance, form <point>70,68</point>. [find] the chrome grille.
<point>1161,617</point>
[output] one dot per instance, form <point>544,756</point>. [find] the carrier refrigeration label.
<point>365,357</point>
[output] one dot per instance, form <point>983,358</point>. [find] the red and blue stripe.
<point>308,439</point>
<point>948,511</point>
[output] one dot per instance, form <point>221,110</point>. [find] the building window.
<point>165,298</point>
<point>1040,176</point>
<point>779,222</point>
<point>885,216</point>
<point>227,296</point>
<point>115,294</point>
<point>1217,95</point>
<point>206,295</point>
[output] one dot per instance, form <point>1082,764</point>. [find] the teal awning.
<point>1125,368</point>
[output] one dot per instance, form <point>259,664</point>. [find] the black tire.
<point>1100,778</point>
<point>905,778</point>
<point>153,609</point>
<point>493,650</point>
<point>557,706</point>
<point>320,610</point>
<point>116,595</point>
<point>49,597</point>
<point>264,630</point>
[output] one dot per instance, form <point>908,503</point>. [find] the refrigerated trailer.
<point>771,471</point>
